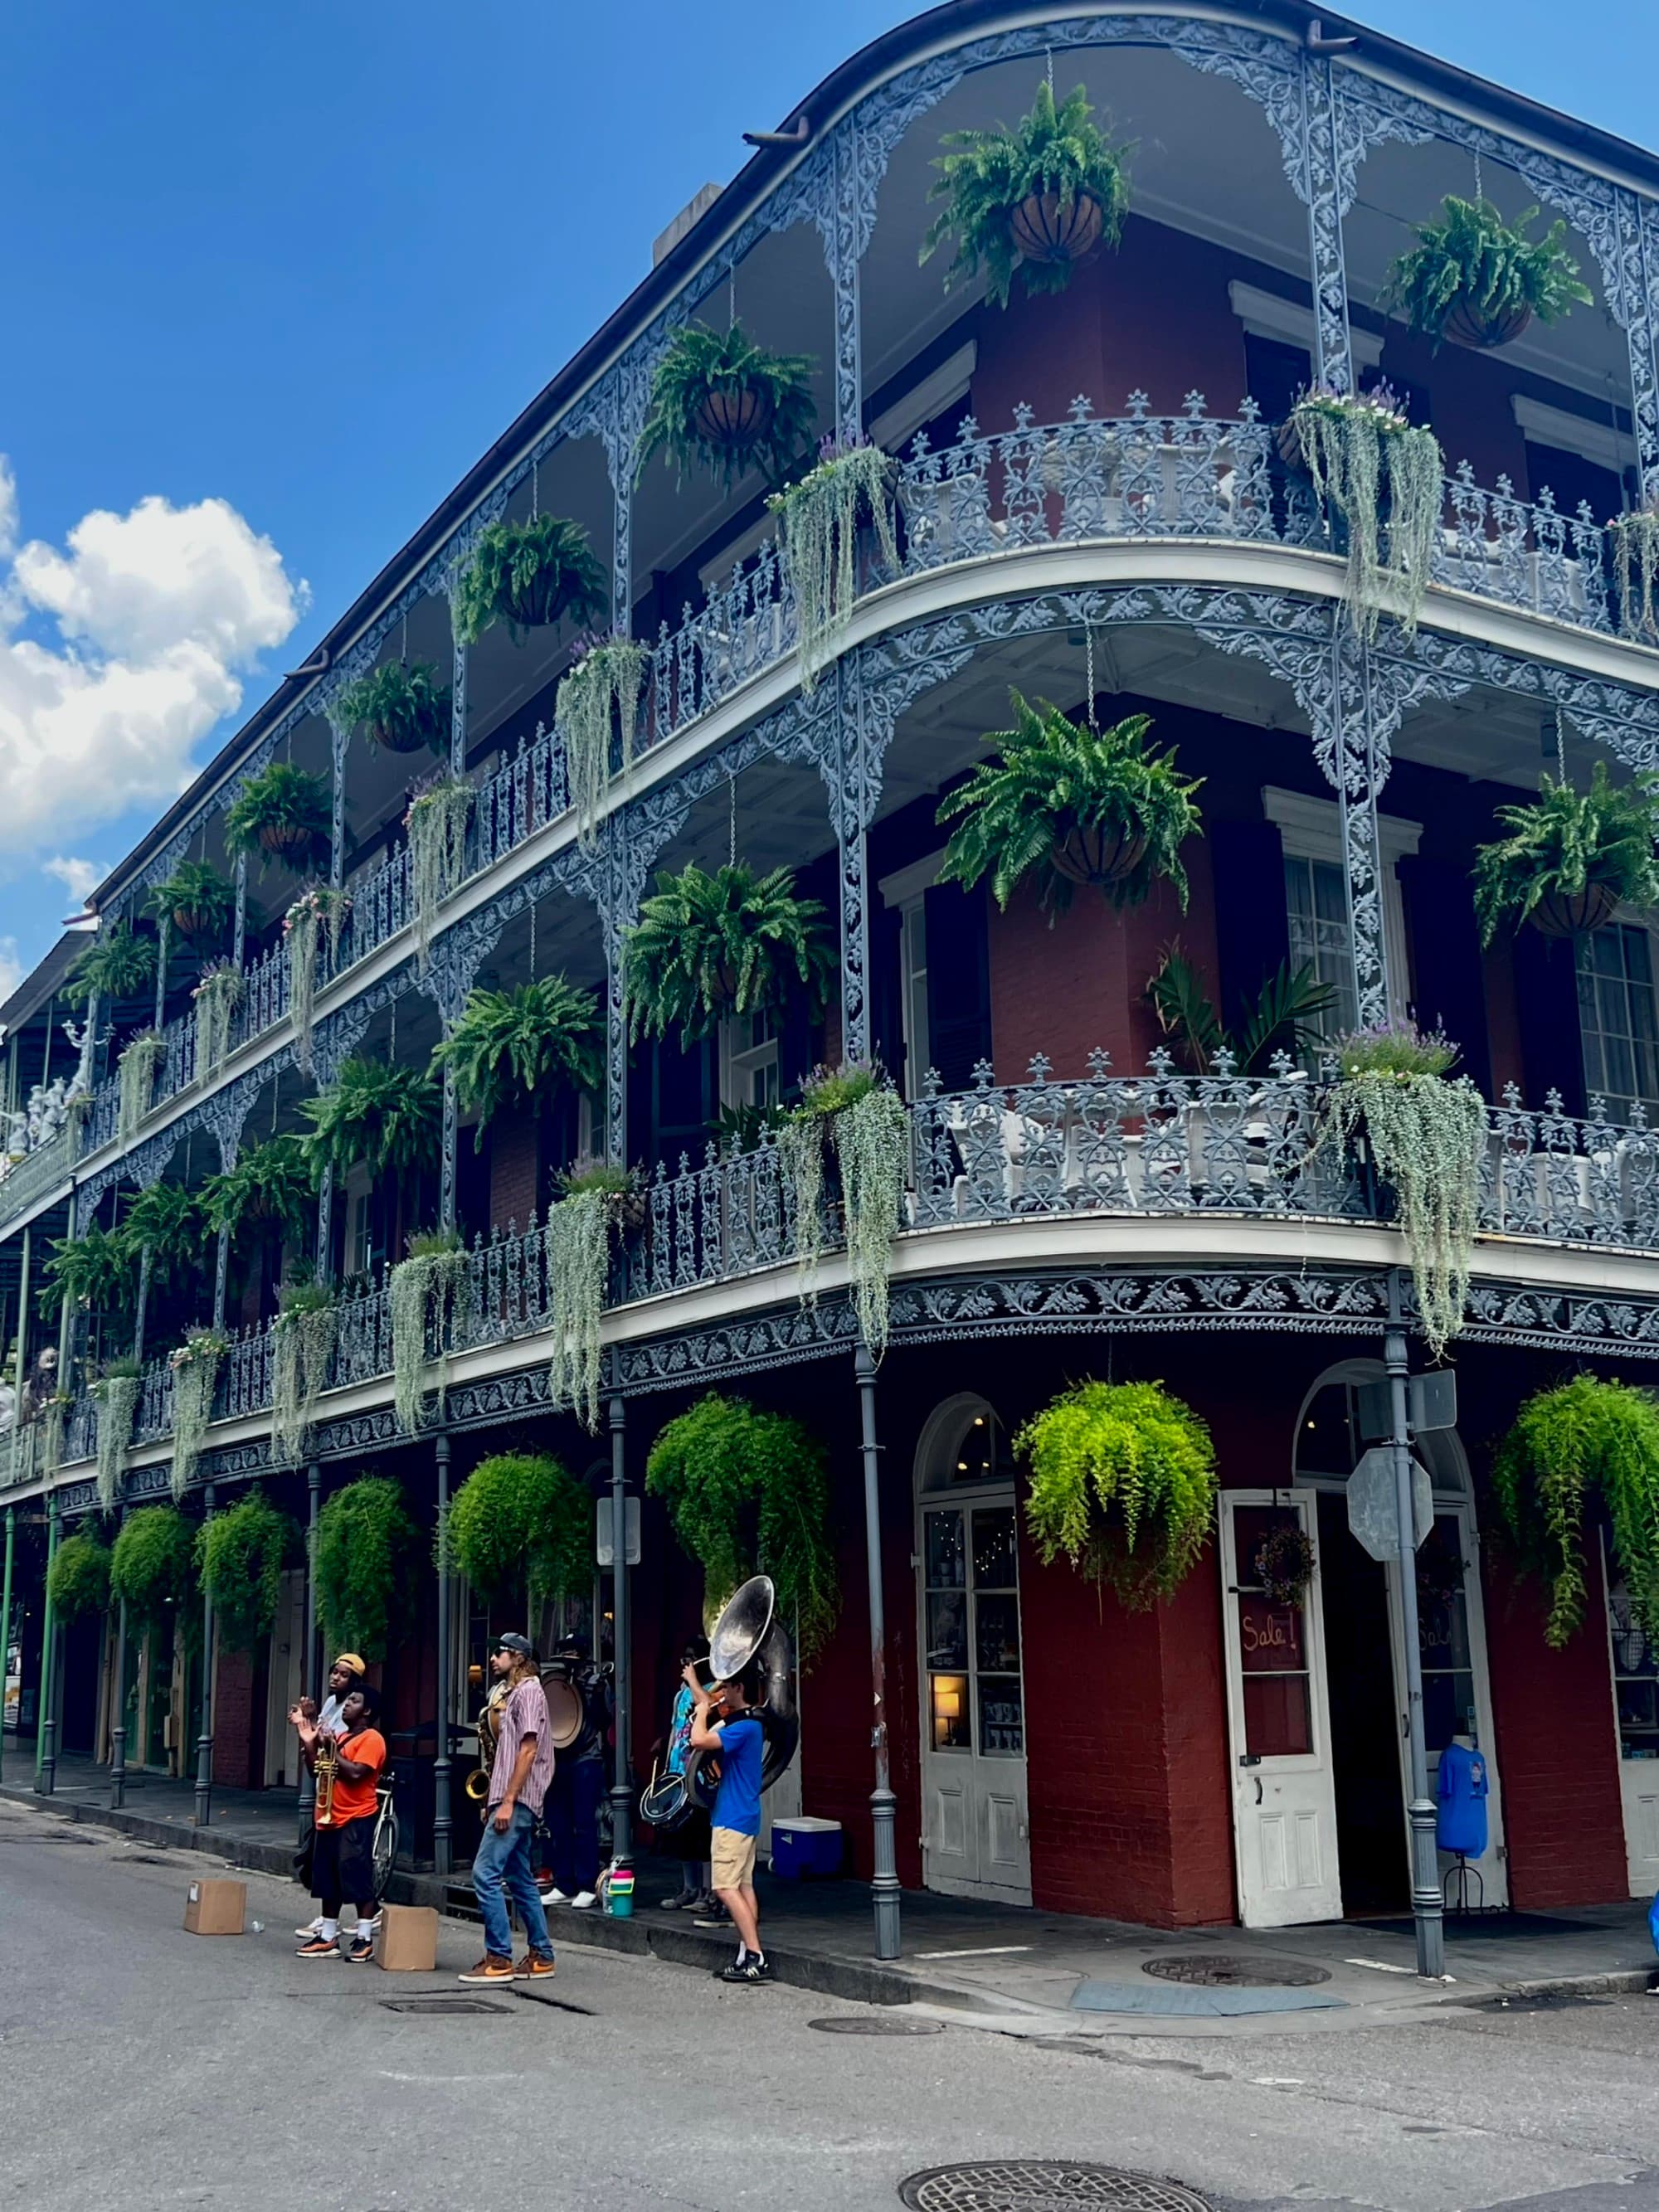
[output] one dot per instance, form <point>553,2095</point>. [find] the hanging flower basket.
<point>1284,1564</point>
<point>284,813</point>
<point>1049,230</point>
<point>196,901</point>
<point>1466,326</point>
<point>1571,856</point>
<point>1558,915</point>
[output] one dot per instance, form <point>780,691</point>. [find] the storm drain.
<point>1222,1970</point>
<point>849,2024</point>
<point>439,2008</point>
<point>1032,2184</point>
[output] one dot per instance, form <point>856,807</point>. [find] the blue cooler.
<point>802,1848</point>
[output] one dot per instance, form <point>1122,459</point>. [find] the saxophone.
<point>490,1729</point>
<point>327,1766</point>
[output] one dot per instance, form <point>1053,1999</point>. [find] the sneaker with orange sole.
<point>534,1966</point>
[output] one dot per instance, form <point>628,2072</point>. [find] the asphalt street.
<point>144,2068</point>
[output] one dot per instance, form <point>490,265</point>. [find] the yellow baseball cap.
<point>351,1659</point>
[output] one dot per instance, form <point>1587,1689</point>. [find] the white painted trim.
<point>1600,442</point>
<point>905,885</point>
<point>1266,315</point>
<point>1310,830</point>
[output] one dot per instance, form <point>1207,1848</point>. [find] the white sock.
<point>328,1932</point>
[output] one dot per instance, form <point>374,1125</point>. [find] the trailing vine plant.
<point>1353,444</point>
<point>151,1563</point>
<point>216,998</point>
<point>78,1583</point>
<point>1636,572</point>
<point>242,1553</point>
<point>599,695</point>
<point>315,910</point>
<point>368,1544</point>
<point>748,1492</point>
<point>706,946</point>
<point>302,1339</point>
<point>578,1267</point>
<point>115,1397</point>
<point>522,1526</point>
<point>436,823</point>
<point>135,1075</point>
<point>859,1113</point>
<point>195,1365</point>
<point>1124,1484</point>
<point>427,1296</point>
<point>817,537</point>
<point>1582,1437</point>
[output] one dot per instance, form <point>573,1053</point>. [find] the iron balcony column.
<point>117,1734</point>
<point>884,1882</point>
<point>1428,1904</point>
<point>5,1605</point>
<point>621,1788</point>
<point>46,1740</point>
<point>442,1824</point>
<point>310,1675</point>
<point>204,1742</point>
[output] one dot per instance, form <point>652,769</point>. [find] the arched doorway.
<point>974,1836</point>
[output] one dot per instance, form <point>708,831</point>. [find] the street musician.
<point>347,1767</point>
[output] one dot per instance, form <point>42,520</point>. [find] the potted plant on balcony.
<point>150,1564</point>
<point>529,574</point>
<point>427,1296</point>
<point>1570,857</point>
<point>387,1117</point>
<point>521,1529</point>
<point>599,1197</point>
<point>196,901</point>
<point>721,402</point>
<point>284,813</point>
<point>93,1270</point>
<point>1427,1138</point>
<point>1370,464</point>
<point>318,909</point>
<point>301,1345</point>
<point>116,966</point>
<point>242,1555</point>
<point>1033,200</point>
<point>707,946</point>
<point>857,1114</point>
<point>748,1492</point>
<point>79,1582</point>
<point>1124,1484</point>
<point>402,705</point>
<point>368,1544</point>
<point>509,1047</point>
<point>195,1363</point>
<point>1582,1436</point>
<point>135,1072</point>
<point>268,1185</point>
<point>1286,1016</point>
<point>598,700</point>
<point>115,1396</point>
<point>1072,805</point>
<point>1479,281</point>
<point>436,823</point>
<point>216,1000</point>
<point>817,520</point>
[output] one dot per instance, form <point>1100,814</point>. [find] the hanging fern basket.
<point>1560,913</point>
<point>735,416</point>
<point>1099,856</point>
<point>288,842</point>
<point>1053,232</point>
<point>1466,326</point>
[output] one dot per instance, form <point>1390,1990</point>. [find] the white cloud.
<point>80,878</point>
<point>118,656</point>
<point>11,967</point>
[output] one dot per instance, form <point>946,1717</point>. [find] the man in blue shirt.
<point>740,1743</point>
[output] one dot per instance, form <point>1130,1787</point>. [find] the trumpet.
<point>327,1768</point>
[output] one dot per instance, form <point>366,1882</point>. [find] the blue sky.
<point>281,274</point>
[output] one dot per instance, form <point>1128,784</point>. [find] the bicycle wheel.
<point>384,1849</point>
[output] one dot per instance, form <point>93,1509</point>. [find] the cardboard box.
<point>407,1940</point>
<point>215,1908</point>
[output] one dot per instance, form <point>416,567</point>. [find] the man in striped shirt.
<point>519,1777</point>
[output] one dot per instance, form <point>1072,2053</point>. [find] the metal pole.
<point>117,1734</point>
<point>1428,1905</point>
<point>442,1860</point>
<point>19,1378</point>
<point>5,1613</point>
<point>204,1742</point>
<point>621,1788</point>
<point>310,1678</point>
<point>884,1882</point>
<point>46,1740</point>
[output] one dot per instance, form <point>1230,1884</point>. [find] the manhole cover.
<point>435,2007</point>
<point>1222,1970</point>
<point>848,2024</point>
<point>1035,2185</point>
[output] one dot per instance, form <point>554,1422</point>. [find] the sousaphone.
<point>749,1639</point>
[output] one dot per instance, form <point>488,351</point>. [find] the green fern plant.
<point>1070,806</point>
<point>117,965</point>
<point>269,1185</point>
<point>510,1047</point>
<point>1582,1436</point>
<point>79,1582</point>
<point>284,813</point>
<point>401,705</point>
<point>387,1118</point>
<point>522,1525</point>
<point>167,1221</point>
<point>1477,279</point>
<point>707,946</point>
<point>1124,1484</point>
<point>1286,1016</point>
<point>1031,201</point>
<point>1571,856</point>
<point>528,575</point>
<point>94,1271</point>
<point>240,1556</point>
<point>368,1548</point>
<point>152,1564</point>
<point>196,901</point>
<point>721,401</point>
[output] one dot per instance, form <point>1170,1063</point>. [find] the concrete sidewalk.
<point>1021,1971</point>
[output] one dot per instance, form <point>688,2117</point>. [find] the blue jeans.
<point>502,1864</point>
<point>573,1820</point>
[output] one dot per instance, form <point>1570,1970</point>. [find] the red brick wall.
<point>232,1722</point>
<point>514,1157</point>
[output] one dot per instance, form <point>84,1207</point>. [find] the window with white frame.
<point>907,891</point>
<point>1618,1018</point>
<point>749,1061</point>
<point>1320,927</point>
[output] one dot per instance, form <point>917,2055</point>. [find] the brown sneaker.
<point>534,1966</point>
<point>490,1968</point>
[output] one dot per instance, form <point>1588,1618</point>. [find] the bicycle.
<point>383,1850</point>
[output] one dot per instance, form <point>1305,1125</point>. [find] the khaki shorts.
<point>731,1857</point>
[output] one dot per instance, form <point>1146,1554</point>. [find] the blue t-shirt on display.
<point>737,1801</point>
<point>1462,1827</point>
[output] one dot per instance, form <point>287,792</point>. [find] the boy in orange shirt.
<point>343,1858</point>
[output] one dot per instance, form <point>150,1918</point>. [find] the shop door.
<point>1635,1712</point>
<point>1283,1794</point>
<point>976,1841</point>
<point>285,1680</point>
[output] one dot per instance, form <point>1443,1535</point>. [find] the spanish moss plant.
<point>284,813</point>
<point>721,402</point>
<point>513,1047</point>
<point>818,523</point>
<point>1035,199</point>
<point>598,698</point>
<point>428,1298</point>
<point>242,1553</point>
<point>79,1582</point>
<point>747,1492</point>
<point>528,575</point>
<point>521,1526</point>
<point>1571,856</point>
<point>195,1365</point>
<point>135,1075</point>
<point>706,946</point>
<point>1582,1437</point>
<point>403,707</point>
<point>1428,1138</point>
<point>436,823</point>
<point>116,966</point>
<point>196,901</point>
<point>301,1347</point>
<point>1355,446</point>
<point>1124,1484</point>
<point>386,1116</point>
<point>1070,806</point>
<point>115,1396</point>
<point>315,910</point>
<point>368,1549</point>
<point>216,999</point>
<point>151,1563</point>
<point>863,1118</point>
<point>267,1185</point>
<point>1479,280</point>
<point>578,1267</point>
<point>1636,572</point>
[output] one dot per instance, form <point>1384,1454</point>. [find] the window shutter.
<point>1547,996</point>
<point>684,1099</point>
<point>1450,991</point>
<point>1252,936</point>
<point>958,982</point>
<point>887,996</point>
